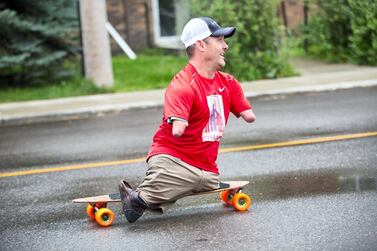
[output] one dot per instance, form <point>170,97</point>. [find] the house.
<point>148,23</point>
<point>157,23</point>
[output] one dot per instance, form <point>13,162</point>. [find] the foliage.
<point>36,37</point>
<point>254,50</point>
<point>343,31</point>
<point>363,42</point>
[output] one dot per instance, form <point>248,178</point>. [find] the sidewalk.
<point>315,76</point>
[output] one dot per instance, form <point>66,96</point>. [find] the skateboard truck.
<point>223,185</point>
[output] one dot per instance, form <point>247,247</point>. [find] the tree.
<point>36,36</point>
<point>254,50</point>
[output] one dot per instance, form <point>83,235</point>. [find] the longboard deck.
<point>115,197</point>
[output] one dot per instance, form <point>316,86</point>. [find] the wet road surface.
<point>313,208</point>
<point>317,196</point>
<point>129,134</point>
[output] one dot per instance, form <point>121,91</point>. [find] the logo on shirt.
<point>221,89</point>
<point>214,129</point>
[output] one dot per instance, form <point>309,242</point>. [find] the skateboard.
<point>230,193</point>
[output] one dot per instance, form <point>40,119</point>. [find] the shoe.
<point>132,205</point>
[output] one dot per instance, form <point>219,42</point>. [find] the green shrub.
<point>343,31</point>
<point>254,50</point>
<point>363,41</point>
<point>316,34</point>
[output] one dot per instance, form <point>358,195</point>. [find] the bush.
<point>254,50</point>
<point>343,31</point>
<point>36,38</point>
<point>363,41</point>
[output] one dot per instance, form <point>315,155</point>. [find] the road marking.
<point>223,150</point>
<point>300,142</point>
<point>74,167</point>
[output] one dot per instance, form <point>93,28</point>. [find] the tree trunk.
<point>96,43</point>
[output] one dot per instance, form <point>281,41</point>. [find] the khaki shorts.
<point>169,178</point>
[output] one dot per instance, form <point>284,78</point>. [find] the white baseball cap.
<point>202,27</point>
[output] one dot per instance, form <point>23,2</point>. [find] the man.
<point>182,157</point>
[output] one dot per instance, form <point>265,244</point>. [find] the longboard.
<point>230,193</point>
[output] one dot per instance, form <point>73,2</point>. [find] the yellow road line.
<point>300,142</point>
<point>224,150</point>
<point>74,167</point>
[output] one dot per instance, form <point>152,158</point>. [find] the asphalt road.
<point>129,134</point>
<point>318,196</point>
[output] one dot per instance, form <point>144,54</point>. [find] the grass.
<point>77,86</point>
<point>151,70</point>
<point>146,72</point>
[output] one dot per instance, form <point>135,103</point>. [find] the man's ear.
<point>200,45</point>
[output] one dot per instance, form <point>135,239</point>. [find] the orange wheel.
<point>227,197</point>
<point>90,212</point>
<point>104,217</point>
<point>241,202</point>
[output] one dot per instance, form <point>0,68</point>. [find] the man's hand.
<point>248,116</point>
<point>178,128</point>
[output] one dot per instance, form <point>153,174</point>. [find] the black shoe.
<point>133,206</point>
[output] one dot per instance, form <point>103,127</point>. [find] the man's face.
<point>215,50</point>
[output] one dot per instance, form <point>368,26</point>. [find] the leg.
<point>132,205</point>
<point>209,181</point>
<point>168,179</point>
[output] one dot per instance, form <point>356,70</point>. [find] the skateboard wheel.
<point>90,212</point>
<point>241,202</point>
<point>104,217</point>
<point>227,197</point>
<point>91,209</point>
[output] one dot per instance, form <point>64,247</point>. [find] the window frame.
<point>171,42</point>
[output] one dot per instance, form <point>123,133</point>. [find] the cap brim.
<point>226,32</point>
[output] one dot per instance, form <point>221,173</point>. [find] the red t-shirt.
<point>205,105</point>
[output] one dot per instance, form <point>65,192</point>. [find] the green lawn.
<point>153,70</point>
<point>75,87</point>
<point>146,72</point>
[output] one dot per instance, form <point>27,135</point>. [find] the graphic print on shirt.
<point>214,129</point>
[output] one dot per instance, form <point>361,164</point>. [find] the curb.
<point>316,88</point>
<point>118,107</point>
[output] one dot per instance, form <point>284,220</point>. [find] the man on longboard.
<point>182,157</point>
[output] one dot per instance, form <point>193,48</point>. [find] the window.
<point>169,17</point>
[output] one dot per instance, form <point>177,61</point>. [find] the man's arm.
<point>248,116</point>
<point>178,128</point>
